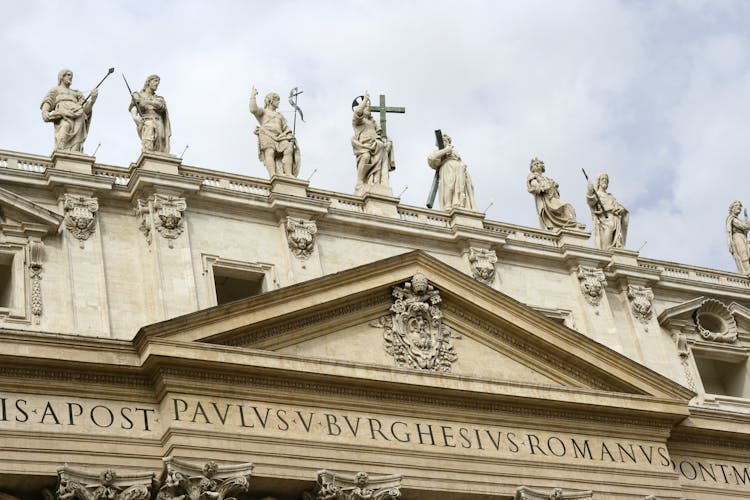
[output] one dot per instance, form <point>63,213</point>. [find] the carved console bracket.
<point>361,486</point>
<point>80,216</point>
<point>414,332</point>
<point>300,235</point>
<point>592,284</point>
<point>107,485</point>
<point>524,493</point>
<point>483,264</point>
<point>641,302</point>
<point>183,480</point>
<point>163,213</point>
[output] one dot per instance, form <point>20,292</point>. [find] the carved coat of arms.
<point>80,212</point>
<point>414,331</point>
<point>301,236</point>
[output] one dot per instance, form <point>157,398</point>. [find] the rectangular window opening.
<point>235,284</point>
<point>6,280</point>
<point>724,377</point>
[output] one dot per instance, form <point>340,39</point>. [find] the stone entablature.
<point>188,213</point>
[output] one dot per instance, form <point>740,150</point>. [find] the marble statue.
<point>611,230</point>
<point>737,229</point>
<point>455,189</point>
<point>151,117</point>
<point>277,146</point>
<point>69,111</point>
<point>552,211</point>
<point>374,152</point>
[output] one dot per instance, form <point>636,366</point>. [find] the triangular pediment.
<point>21,214</point>
<point>337,320</point>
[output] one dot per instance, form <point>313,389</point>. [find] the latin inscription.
<point>241,417</point>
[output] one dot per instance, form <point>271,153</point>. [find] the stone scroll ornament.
<point>714,321</point>
<point>80,216</point>
<point>300,235</point>
<point>524,493</point>
<point>168,218</point>
<point>414,331</point>
<point>183,480</point>
<point>333,486</point>
<point>641,302</point>
<point>483,264</point>
<point>107,485</point>
<point>592,284</point>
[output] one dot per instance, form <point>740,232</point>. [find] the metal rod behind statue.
<point>109,72</point>
<point>295,109</point>
<point>436,178</point>
<point>137,107</point>
<point>598,200</point>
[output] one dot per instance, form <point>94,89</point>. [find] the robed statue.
<point>552,211</point>
<point>69,111</point>
<point>736,229</point>
<point>455,189</point>
<point>149,111</point>
<point>610,217</point>
<point>374,152</point>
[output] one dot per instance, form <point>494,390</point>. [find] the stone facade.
<point>247,326</point>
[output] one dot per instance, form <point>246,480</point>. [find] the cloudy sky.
<point>656,93</point>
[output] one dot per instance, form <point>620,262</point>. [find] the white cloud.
<point>655,93</point>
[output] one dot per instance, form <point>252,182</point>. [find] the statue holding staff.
<point>69,111</point>
<point>610,217</point>
<point>736,230</point>
<point>455,189</point>
<point>277,146</point>
<point>149,111</point>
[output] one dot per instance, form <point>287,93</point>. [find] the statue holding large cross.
<point>371,146</point>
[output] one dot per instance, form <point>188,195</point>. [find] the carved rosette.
<point>107,485</point>
<point>168,216</point>
<point>361,486</point>
<point>592,284</point>
<point>641,302</point>
<point>525,493</point>
<point>36,249</point>
<point>183,480</point>
<point>483,264</point>
<point>80,216</point>
<point>714,321</point>
<point>300,235</point>
<point>414,331</point>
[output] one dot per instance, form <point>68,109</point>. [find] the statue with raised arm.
<point>277,146</point>
<point>610,217</point>
<point>374,152</point>
<point>552,211</point>
<point>69,111</point>
<point>455,189</point>
<point>149,111</point>
<point>737,229</point>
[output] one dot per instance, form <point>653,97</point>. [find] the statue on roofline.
<point>552,211</point>
<point>69,111</point>
<point>277,146</point>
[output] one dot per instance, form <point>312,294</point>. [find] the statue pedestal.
<point>283,184</point>
<point>467,218</point>
<point>72,162</point>
<point>576,237</point>
<point>376,189</point>
<point>385,205</point>
<point>159,162</point>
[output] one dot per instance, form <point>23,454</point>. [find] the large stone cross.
<point>383,109</point>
